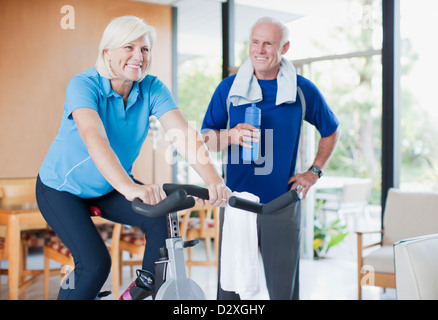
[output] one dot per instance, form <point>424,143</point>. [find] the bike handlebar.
<point>278,203</point>
<point>191,190</point>
<point>177,199</point>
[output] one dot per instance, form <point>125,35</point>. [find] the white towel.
<point>246,89</point>
<point>239,253</point>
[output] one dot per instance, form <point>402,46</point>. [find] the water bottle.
<point>253,117</point>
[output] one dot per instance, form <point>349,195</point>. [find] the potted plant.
<point>326,236</point>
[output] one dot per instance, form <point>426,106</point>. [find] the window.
<point>419,114</point>
<point>339,49</point>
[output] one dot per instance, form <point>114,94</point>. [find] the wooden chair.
<point>57,251</point>
<point>407,215</point>
<point>352,200</point>
<point>3,256</point>
<point>203,226</point>
<point>23,190</point>
<point>133,241</point>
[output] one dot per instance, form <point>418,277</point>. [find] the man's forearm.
<point>216,140</point>
<point>326,147</point>
<point>242,134</point>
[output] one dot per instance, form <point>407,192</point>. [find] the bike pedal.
<point>145,279</point>
<point>190,243</point>
<point>138,293</point>
<point>104,294</point>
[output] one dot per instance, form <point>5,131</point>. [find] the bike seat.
<point>94,211</point>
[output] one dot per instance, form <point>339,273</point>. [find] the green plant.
<point>326,236</point>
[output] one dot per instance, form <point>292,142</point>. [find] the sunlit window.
<point>419,108</point>
<point>339,49</point>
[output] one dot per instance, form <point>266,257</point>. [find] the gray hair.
<point>281,25</point>
<point>118,33</point>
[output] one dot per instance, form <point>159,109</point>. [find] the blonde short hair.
<point>118,33</point>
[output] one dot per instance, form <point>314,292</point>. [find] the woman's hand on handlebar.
<point>218,193</point>
<point>148,193</point>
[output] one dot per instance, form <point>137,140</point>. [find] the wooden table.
<point>18,214</point>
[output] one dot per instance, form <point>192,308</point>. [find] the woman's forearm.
<point>190,145</point>
<point>216,140</point>
<point>93,134</point>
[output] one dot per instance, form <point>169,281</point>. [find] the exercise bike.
<point>170,281</point>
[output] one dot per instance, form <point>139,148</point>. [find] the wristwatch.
<point>316,170</point>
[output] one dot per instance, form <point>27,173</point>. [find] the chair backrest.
<point>210,211</point>
<point>357,193</point>
<point>208,218</point>
<point>17,187</point>
<point>409,214</point>
<point>415,268</point>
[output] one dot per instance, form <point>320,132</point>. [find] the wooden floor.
<point>331,278</point>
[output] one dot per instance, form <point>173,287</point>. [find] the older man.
<point>285,99</point>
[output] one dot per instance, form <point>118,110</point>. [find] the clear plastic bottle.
<point>253,117</point>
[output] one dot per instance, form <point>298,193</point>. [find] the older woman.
<point>104,124</point>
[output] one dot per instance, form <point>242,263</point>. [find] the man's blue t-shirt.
<point>280,131</point>
<point>68,165</point>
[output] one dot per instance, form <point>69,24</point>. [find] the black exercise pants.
<point>279,242</point>
<point>69,217</point>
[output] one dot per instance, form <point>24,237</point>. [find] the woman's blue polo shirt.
<point>68,165</point>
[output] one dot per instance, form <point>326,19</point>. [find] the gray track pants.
<point>279,242</point>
